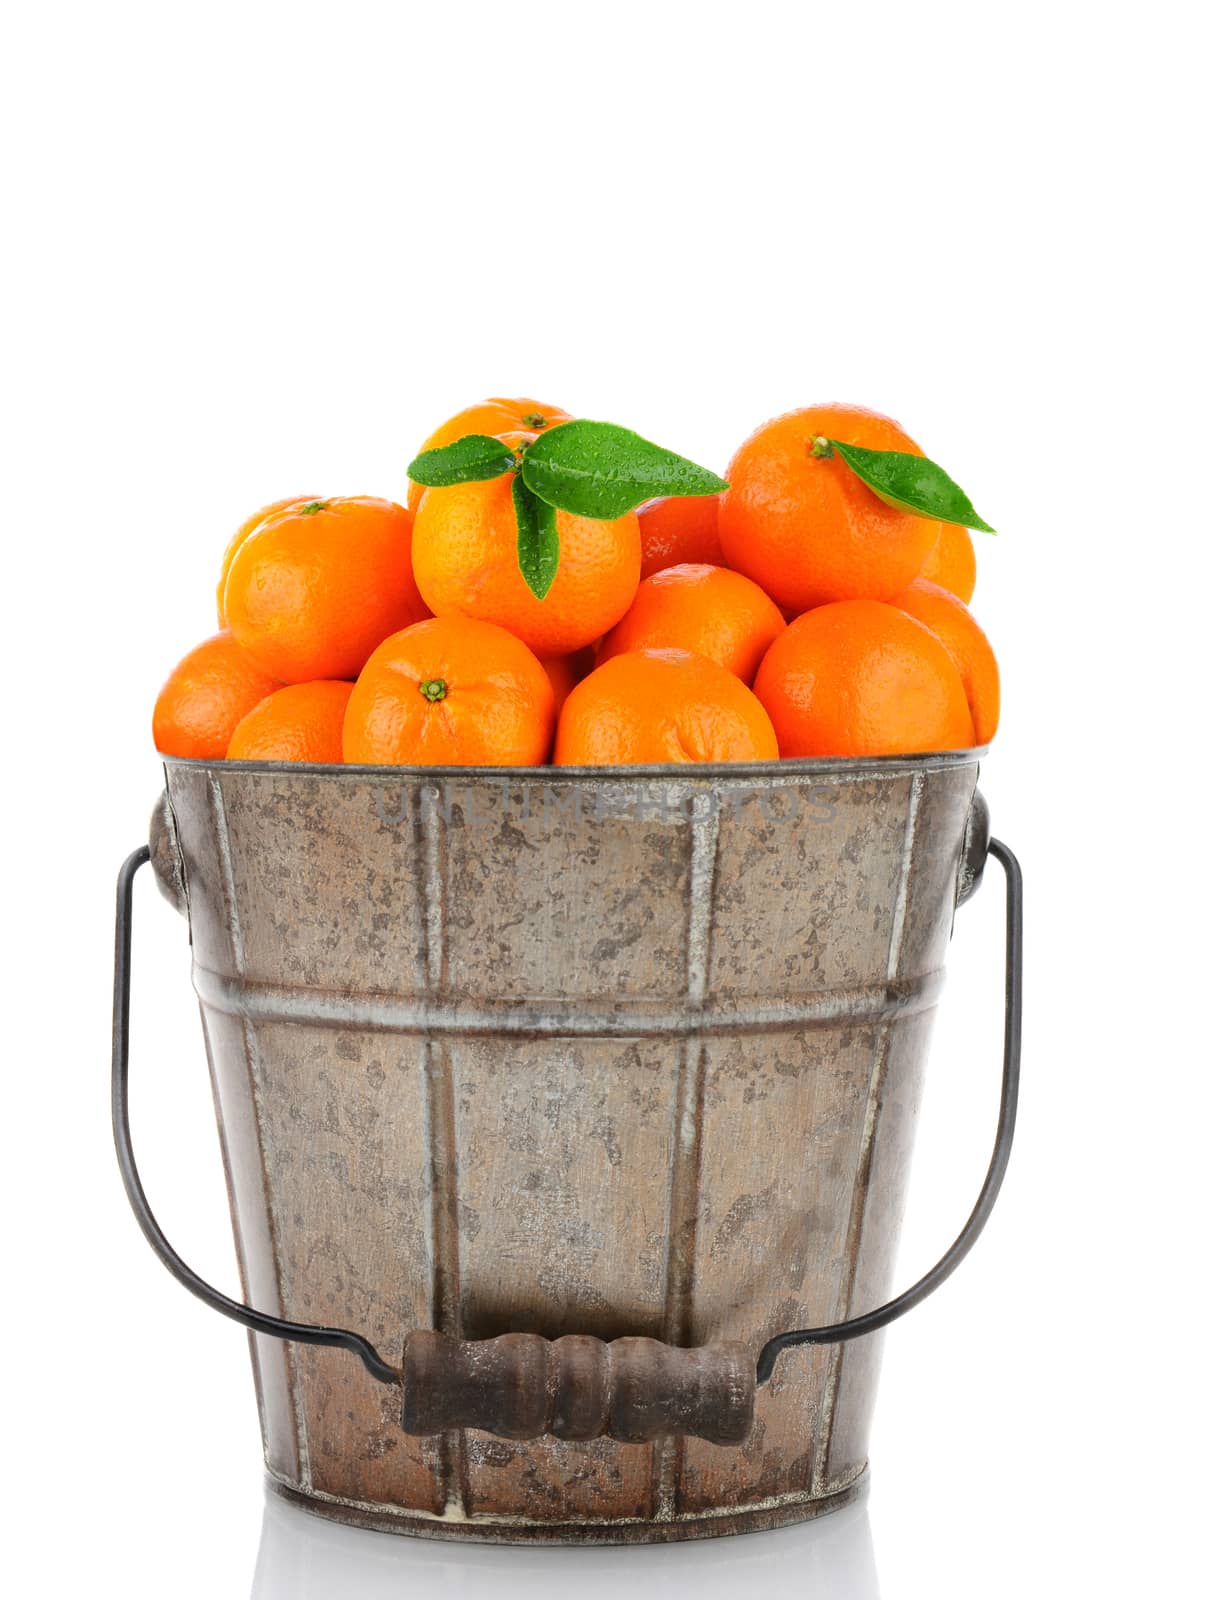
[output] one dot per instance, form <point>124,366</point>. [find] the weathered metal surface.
<point>618,1054</point>
<point>716,1524</point>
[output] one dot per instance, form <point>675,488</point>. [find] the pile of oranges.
<point>798,613</point>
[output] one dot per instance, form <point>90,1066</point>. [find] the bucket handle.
<point>257,1321</point>
<point>520,1385</point>
<point>872,1321</point>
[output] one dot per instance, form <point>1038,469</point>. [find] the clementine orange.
<point>951,564</point>
<point>679,528</point>
<point>451,691</point>
<point>491,417</point>
<point>946,615</point>
<point>301,722</point>
<point>861,678</point>
<point>807,529</point>
<point>314,589</point>
<point>244,531</point>
<point>709,610</point>
<point>465,560</point>
<point>205,697</point>
<point>654,706</point>
<point>566,671</point>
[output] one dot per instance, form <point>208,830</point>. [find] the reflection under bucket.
<point>304,1557</point>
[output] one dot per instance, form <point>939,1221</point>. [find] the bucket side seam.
<point>858,1199</point>
<point>440,1098</point>
<point>683,1221</point>
<point>254,1069</point>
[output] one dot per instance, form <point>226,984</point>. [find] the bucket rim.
<point>679,772</point>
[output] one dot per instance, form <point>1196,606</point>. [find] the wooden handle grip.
<point>520,1386</point>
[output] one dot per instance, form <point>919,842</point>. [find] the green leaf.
<point>595,469</point>
<point>539,546</point>
<point>910,483</point>
<point>472,459</point>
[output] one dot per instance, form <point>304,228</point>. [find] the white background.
<point>255,250</point>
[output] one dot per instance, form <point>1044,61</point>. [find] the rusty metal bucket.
<point>578,1105</point>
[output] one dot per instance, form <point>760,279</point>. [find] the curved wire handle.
<point>257,1321</point>
<point>345,1339</point>
<point>872,1321</point>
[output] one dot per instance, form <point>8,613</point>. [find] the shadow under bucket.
<point>624,1059</point>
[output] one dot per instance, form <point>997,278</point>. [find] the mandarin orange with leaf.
<point>492,417</point>
<point>466,560</point>
<point>805,527</point>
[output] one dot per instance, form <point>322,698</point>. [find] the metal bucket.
<point>624,1059</point>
